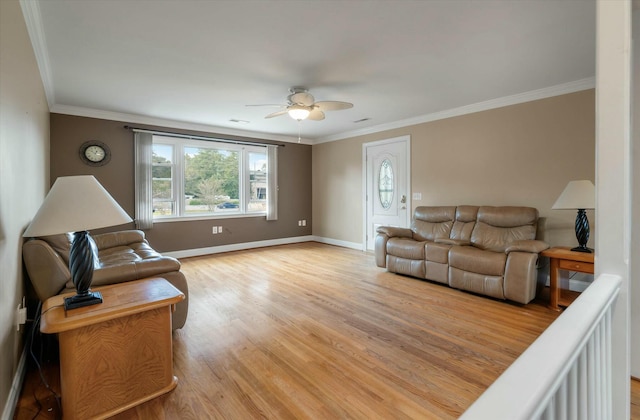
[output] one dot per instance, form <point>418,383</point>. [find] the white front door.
<point>387,185</point>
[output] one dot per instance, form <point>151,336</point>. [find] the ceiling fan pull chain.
<point>299,123</point>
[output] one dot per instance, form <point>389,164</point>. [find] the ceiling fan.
<point>302,105</point>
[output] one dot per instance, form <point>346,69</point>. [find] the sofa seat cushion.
<point>406,248</point>
<point>140,251</point>
<point>130,262</point>
<point>475,260</point>
<point>437,252</point>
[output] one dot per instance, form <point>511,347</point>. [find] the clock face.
<point>95,153</point>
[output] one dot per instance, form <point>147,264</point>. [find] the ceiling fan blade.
<point>316,115</point>
<point>277,113</point>
<point>333,105</point>
<point>301,98</point>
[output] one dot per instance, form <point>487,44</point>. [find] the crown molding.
<point>183,125</point>
<point>566,88</point>
<point>33,20</point>
<point>548,92</point>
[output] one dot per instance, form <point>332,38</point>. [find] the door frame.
<point>365,209</point>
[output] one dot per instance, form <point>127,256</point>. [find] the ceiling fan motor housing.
<point>303,98</point>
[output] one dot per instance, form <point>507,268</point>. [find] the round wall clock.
<point>95,153</point>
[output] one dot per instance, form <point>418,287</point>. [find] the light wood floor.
<point>635,399</point>
<point>315,331</point>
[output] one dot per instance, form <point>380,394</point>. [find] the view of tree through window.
<point>210,178</point>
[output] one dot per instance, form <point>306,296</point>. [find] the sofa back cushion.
<point>497,227</point>
<point>431,223</point>
<point>60,243</point>
<point>464,223</point>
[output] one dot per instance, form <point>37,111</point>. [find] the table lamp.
<point>580,195</point>
<point>77,204</point>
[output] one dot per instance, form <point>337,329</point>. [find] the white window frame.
<point>178,192</point>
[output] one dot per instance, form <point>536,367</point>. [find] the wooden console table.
<point>117,354</point>
<point>562,258</point>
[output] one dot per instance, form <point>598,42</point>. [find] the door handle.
<point>403,199</point>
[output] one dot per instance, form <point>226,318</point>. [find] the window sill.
<point>208,217</point>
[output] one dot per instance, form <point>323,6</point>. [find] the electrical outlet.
<point>219,229</point>
<point>214,230</point>
<point>304,222</point>
<point>299,222</point>
<point>21,315</point>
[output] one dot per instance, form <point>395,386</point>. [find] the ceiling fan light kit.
<point>298,112</point>
<point>302,105</point>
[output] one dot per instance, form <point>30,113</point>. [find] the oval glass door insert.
<point>385,184</point>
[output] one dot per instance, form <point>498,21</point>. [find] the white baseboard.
<point>16,387</point>
<point>344,244</point>
<point>237,247</point>
<point>260,244</point>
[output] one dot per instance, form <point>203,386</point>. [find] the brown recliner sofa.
<point>122,256</point>
<point>481,249</point>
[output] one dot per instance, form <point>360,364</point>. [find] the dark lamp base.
<point>78,301</point>
<point>582,249</point>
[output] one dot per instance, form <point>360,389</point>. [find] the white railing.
<point>566,372</point>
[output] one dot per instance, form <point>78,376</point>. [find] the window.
<point>198,178</point>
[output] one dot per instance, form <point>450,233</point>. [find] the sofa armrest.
<point>448,241</point>
<point>532,246</point>
<point>47,270</point>
<point>383,236</point>
<point>520,276</point>
<point>114,239</point>
<point>396,232</point>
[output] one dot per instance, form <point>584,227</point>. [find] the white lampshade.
<point>577,195</point>
<point>74,204</point>
<point>298,112</point>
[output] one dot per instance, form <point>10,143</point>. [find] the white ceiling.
<point>199,63</point>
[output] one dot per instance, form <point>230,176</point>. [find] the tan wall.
<point>521,155</point>
<point>337,190</point>
<point>294,175</point>
<point>24,174</point>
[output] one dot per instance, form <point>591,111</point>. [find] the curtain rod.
<point>189,136</point>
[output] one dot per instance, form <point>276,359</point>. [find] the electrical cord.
<point>36,327</point>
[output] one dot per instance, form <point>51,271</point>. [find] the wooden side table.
<point>562,258</point>
<point>117,354</point>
